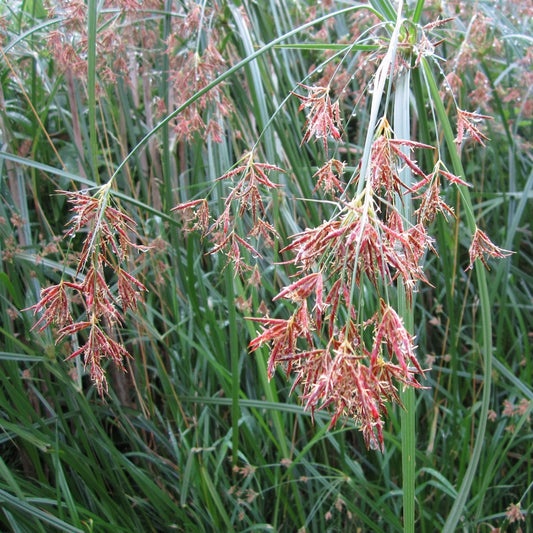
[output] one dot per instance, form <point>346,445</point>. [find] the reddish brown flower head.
<point>232,245</point>
<point>391,332</point>
<point>195,220</point>
<point>312,244</point>
<point>345,378</point>
<point>108,228</point>
<point>350,389</point>
<point>482,247</point>
<point>327,177</point>
<point>323,119</point>
<point>98,346</point>
<point>300,290</point>
<point>338,380</point>
<point>283,336</point>
<point>431,204</point>
<point>108,239</point>
<point>98,297</point>
<point>247,191</point>
<point>388,157</point>
<point>251,180</point>
<point>129,290</point>
<point>514,513</point>
<point>265,230</point>
<point>55,302</point>
<point>467,123</point>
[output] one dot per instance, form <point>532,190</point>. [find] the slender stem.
<point>407,417</point>
<point>91,86</point>
<point>382,76</point>
<point>235,372</point>
<point>166,197</point>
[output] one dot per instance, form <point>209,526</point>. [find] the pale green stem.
<point>407,417</point>
<point>380,79</point>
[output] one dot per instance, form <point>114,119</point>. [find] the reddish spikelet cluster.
<point>467,123</point>
<point>68,43</point>
<point>323,118</point>
<point>246,197</point>
<point>108,239</point>
<point>483,43</point>
<point>345,375</point>
<point>343,361</point>
<point>327,177</point>
<point>191,72</point>
<point>346,359</point>
<point>482,246</point>
<point>192,69</point>
<point>128,47</point>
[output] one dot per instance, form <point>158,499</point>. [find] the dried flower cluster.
<point>483,44</point>
<point>482,247</point>
<point>192,69</point>
<point>116,39</point>
<point>345,358</point>
<point>107,242</point>
<point>323,118</point>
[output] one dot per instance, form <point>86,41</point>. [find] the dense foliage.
<point>194,195</point>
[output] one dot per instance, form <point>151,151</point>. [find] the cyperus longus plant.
<point>349,340</point>
<point>189,96</point>
<point>351,353</point>
<point>346,357</point>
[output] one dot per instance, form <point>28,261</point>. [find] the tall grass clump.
<point>195,194</point>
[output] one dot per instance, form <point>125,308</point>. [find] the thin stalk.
<point>92,10</point>
<point>165,136</point>
<point>235,372</point>
<point>380,80</point>
<point>407,417</point>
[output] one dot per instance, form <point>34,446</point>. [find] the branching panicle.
<point>323,119</point>
<point>246,197</point>
<point>108,240</point>
<point>351,364</point>
<point>481,247</point>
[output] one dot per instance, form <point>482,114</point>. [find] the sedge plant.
<point>327,206</point>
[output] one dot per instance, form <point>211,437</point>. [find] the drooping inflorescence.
<point>109,236</point>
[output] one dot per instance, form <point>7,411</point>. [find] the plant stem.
<point>91,86</point>
<point>405,310</point>
<point>235,372</point>
<point>166,197</point>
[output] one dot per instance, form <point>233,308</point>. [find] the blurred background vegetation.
<point>194,437</point>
